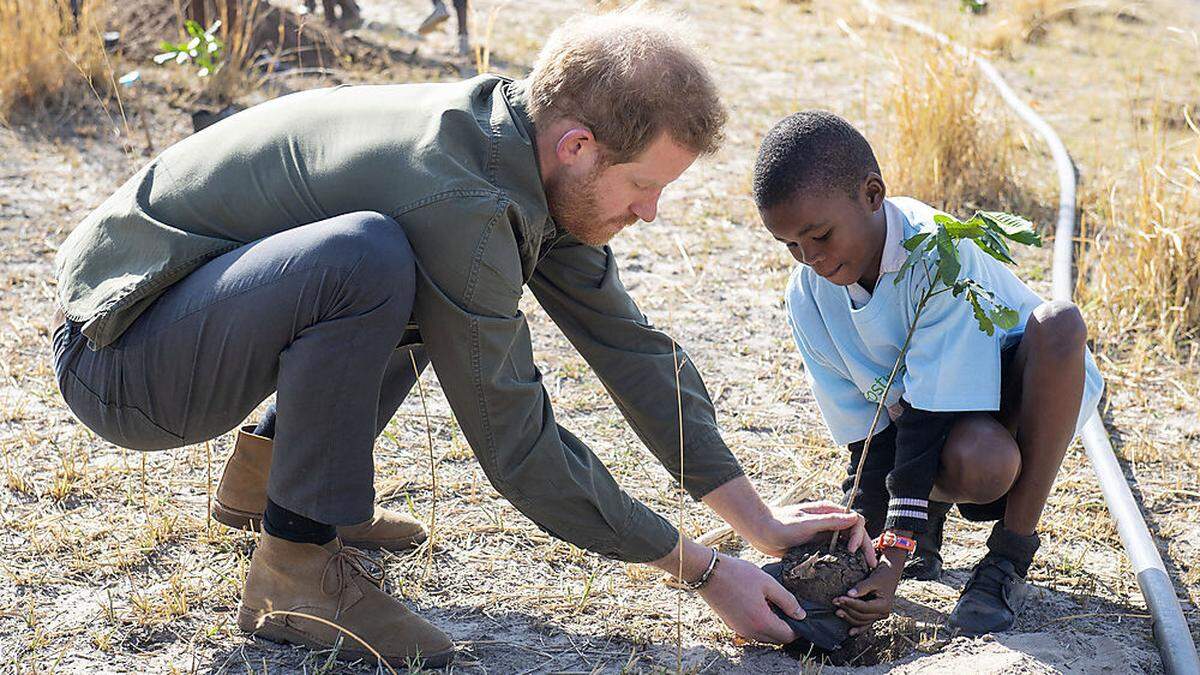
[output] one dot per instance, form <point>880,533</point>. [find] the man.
<point>293,247</point>
<point>351,15</point>
<point>439,15</point>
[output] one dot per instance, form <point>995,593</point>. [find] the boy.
<point>974,419</point>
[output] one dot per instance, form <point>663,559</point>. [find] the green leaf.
<point>981,317</point>
<point>958,229</point>
<point>917,252</point>
<point>979,290</point>
<point>948,264</point>
<point>1004,317</point>
<point>1013,227</point>
<point>993,244</point>
<point>914,241</point>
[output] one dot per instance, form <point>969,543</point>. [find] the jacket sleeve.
<point>579,287</point>
<point>479,344</point>
<point>920,436</point>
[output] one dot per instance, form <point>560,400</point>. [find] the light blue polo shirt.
<point>850,339</point>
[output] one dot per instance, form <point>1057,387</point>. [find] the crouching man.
<point>316,245</point>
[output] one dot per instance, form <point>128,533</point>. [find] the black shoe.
<point>992,599</point>
<point>926,563</point>
<point>996,593</point>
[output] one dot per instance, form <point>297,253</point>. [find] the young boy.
<point>979,420</point>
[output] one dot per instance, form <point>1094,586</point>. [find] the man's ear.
<point>874,191</point>
<point>577,145</point>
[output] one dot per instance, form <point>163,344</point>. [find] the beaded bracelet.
<point>699,583</point>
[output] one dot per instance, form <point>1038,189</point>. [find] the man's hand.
<point>742,594</point>
<point>871,599</point>
<point>773,530</point>
<point>739,592</point>
<point>786,526</point>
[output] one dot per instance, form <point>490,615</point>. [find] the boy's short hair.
<point>629,76</point>
<point>815,151</point>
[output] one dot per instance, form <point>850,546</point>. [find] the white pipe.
<point>1171,631</point>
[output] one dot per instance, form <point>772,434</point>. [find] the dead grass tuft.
<point>1022,21</point>
<point>945,145</point>
<point>47,54</point>
<point>1142,275</point>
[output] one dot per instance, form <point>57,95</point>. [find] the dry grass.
<point>47,56</point>
<point>109,567</point>
<point>1142,272</point>
<point>236,77</point>
<point>946,141</point>
<point>1012,22</point>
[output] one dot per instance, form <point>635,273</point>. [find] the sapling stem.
<point>862,460</point>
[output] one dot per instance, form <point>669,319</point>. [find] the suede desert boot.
<point>242,496</point>
<point>339,585</point>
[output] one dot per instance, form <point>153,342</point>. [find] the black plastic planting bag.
<point>821,630</point>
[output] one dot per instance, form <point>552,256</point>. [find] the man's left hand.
<point>787,526</point>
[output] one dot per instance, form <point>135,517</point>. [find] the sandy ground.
<point>112,567</point>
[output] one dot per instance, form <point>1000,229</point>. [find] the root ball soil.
<point>811,571</point>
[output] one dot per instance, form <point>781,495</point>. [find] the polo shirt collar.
<point>894,253</point>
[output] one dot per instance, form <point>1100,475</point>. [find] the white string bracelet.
<point>699,583</point>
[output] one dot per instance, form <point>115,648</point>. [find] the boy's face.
<point>840,237</point>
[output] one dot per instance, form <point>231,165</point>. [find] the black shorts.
<point>872,500</point>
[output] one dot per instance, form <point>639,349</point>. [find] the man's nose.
<point>646,209</point>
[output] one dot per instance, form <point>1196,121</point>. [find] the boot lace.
<point>991,576</point>
<point>343,566</point>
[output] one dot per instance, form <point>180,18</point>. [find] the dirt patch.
<point>812,572</point>
<point>277,39</point>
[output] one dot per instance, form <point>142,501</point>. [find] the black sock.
<point>279,522</point>
<point>266,426</point>
<point>1018,549</point>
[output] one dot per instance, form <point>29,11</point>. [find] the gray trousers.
<point>315,313</point>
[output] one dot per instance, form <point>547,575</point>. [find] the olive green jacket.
<point>455,165</point>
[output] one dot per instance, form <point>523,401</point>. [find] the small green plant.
<point>975,6</point>
<point>990,231</point>
<point>204,49</point>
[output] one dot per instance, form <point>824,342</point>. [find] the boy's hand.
<point>871,599</point>
<point>788,526</point>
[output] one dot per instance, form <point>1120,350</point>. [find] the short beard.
<point>575,207</point>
